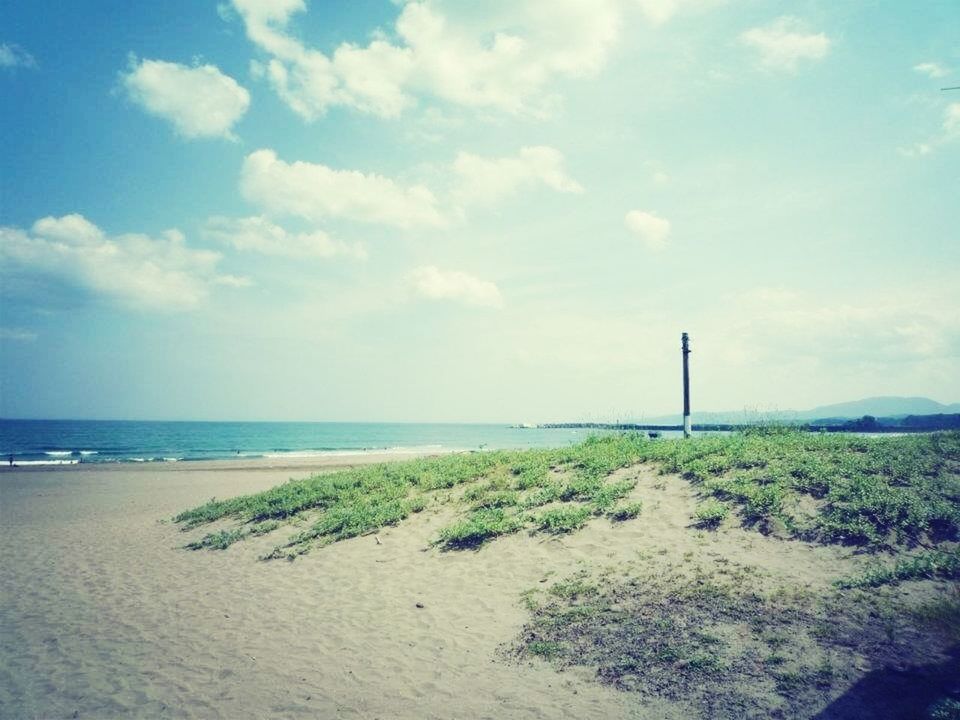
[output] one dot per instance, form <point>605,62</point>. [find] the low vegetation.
<point>724,643</point>
<point>732,649</point>
<point>932,564</point>
<point>880,493</point>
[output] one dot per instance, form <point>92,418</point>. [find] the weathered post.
<point>685,347</point>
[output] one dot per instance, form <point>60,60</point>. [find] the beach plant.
<point>923,565</point>
<point>728,647</point>
<point>563,519</point>
<point>880,493</point>
<point>479,527</point>
<point>710,514</point>
<point>622,513</point>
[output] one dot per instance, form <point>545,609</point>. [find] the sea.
<point>63,442</point>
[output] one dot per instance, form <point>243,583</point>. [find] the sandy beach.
<point>105,616</point>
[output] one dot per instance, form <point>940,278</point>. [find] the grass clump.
<point>931,564</point>
<point>564,519</point>
<point>710,514</point>
<point>479,527</point>
<point>220,540</point>
<point>623,513</point>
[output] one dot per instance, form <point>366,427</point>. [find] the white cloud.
<point>316,192</point>
<point>12,56</point>
<point>502,55</point>
<point>486,180</point>
<point>932,69</point>
<point>652,230</point>
<point>785,42</point>
<point>435,284</point>
<point>152,273</point>
<point>892,331</point>
<point>259,235</point>
<point>200,101</point>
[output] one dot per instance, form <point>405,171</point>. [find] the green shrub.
<point>710,514</point>
<point>563,519</point>
<point>480,526</point>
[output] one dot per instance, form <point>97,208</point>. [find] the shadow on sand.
<point>901,694</point>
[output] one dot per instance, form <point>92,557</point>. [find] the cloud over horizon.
<point>141,272</point>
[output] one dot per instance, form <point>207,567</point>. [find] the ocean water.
<point>53,442</point>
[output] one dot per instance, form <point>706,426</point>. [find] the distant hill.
<point>881,406</point>
<point>887,406</point>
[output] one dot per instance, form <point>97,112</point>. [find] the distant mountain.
<point>877,406</point>
<point>881,406</point>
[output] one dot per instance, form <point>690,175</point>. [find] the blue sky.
<point>499,211</point>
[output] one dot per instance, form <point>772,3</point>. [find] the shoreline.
<point>109,616</point>
<point>334,460</point>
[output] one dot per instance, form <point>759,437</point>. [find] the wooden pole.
<point>685,347</point>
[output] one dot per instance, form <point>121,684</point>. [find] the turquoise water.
<point>98,441</point>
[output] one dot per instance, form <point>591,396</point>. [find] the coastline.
<point>105,615</point>
<point>333,460</point>
<point>108,614</point>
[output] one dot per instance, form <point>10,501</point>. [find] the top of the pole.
<point>685,342</point>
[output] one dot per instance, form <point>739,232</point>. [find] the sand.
<point>104,614</point>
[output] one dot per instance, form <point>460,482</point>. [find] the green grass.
<point>726,645</point>
<point>622,513</point>
<point>930,564</point>
<point>479,527</point>
<point>564,519</point>
<point>710,514</point>
<point>876,492</point>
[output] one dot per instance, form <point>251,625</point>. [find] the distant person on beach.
<point>11,459</point>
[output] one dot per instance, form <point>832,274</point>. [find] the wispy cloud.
<point>200,101</point>
<point>316,192</point>
<point>433,283</point>
<point>483,180</point>
<point>259,235</point>
<point>14,56</point>
<point>137,270</point>
<point>932,69</point>
<point>785,42</point>
<point>949,133</point>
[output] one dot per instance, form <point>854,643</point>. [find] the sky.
<point>506,211</point>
